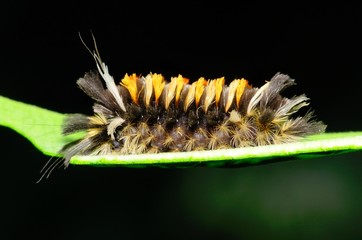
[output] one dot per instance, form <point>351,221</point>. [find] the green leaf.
<point>42,128</point>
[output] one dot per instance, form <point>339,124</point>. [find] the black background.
<point>42,57</point>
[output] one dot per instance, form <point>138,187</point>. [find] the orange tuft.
<point>200,87</point>
<point>219,84</point>
<point>158,83</point>
<point>130,83</point>
<point>243,83</point>
<point>181,81</point>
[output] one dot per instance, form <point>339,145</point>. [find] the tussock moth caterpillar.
<point>149,114</point>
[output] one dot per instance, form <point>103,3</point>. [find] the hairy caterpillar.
<point>148,114</point>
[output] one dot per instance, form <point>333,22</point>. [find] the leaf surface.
<point>42,128</point>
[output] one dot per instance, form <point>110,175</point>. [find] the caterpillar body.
<point>149,114</point>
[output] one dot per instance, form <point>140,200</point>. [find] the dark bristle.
<point>245,100</point>
<point>266,117</point>
<point>92,85</point>
<point>75,123</point>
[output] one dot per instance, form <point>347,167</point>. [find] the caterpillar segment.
<point>149,114</point>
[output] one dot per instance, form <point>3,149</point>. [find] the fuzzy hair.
<point>150,115</point>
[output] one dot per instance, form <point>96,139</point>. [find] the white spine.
<point>108,79</point>
<point>257,97</point>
